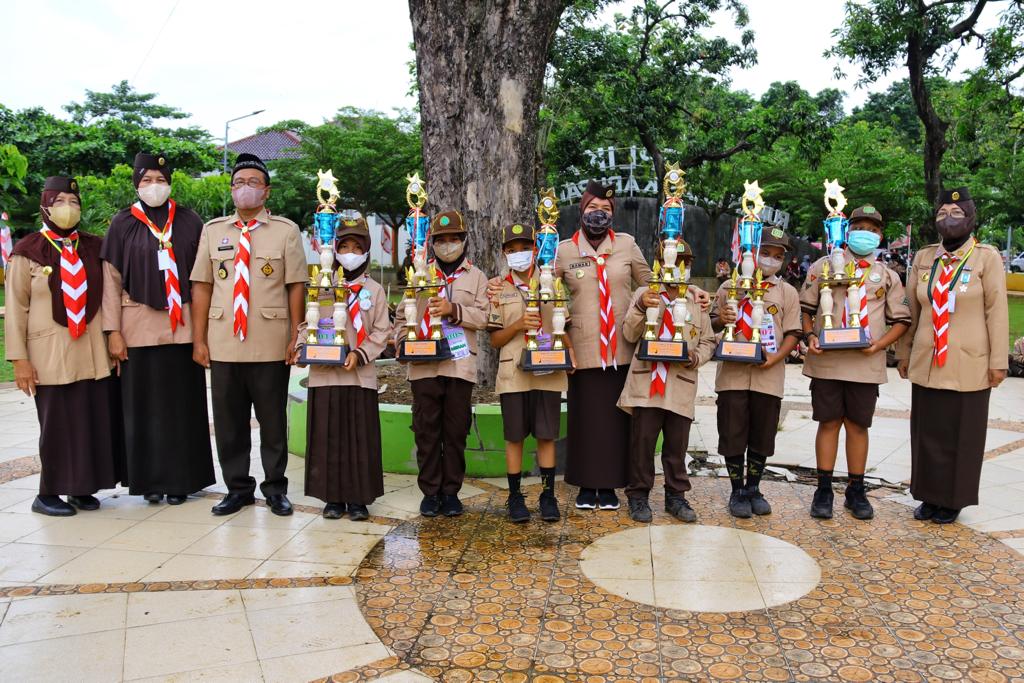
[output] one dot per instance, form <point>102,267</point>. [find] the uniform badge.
<point>880,293</point>
<point>365,302</point>
<point>267,269</point>
<point>600,260</point>
<point>956,196</point>
<point>963,288</point>
<point>47,270</point>
<point>579,274</point>
<point>773,309</point>
<point>693,333</point>
<point>906,300</point>
<point>876,277</point>
<point>161,161</point>
<point>924,277</point>
<point>222,272</point>
<point>225,241</point>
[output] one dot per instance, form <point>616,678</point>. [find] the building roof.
<point>269,145</point>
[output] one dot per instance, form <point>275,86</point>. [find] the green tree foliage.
<point>13,167</point>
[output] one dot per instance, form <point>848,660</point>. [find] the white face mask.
<point>769,265</point>
<point>448,251</point>
<point>155,194</point>
<point>351,260</point>
<point>520,261</point>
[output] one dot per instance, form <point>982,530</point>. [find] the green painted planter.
<point>485,447</point>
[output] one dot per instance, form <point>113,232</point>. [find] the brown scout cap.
<point>684,250</point>
<point>775,235</point>
<point>352,224</point>
<point>447,223</point>
<point>517,231</point>
<point>868,213</point>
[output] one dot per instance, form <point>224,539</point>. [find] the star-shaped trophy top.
<point>752,200</point>
<point>327,184</point>
<point>675,183</point>
<point>835,200</point>
<point>547,207</point>
<point>415,191</point>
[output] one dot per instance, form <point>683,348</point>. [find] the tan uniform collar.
<point>960,253</point>
<point>606,247</point>
<point>263,216</point>
<point>850,256</point>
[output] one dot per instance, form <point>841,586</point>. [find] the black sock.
<point>547,479</point>
<point>755,468</point>
<point>856,480</point>
<point>734,466</point>
<point>513,482</point>
<point>824,479</point>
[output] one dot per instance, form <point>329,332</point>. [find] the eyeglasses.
<point>251,182</point>
<point>956,212</point>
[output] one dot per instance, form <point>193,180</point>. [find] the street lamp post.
<point>228,123</point>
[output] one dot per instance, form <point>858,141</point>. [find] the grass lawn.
<point>1016,318</point>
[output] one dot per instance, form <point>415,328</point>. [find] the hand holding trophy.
<point>837,273</point>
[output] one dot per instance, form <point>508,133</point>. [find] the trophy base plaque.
<point>843,338</point>
<point>662,351</point>
<point>740,351</point>
<point>323,354</point>
<point>545,361</point>
<point>423,350</point>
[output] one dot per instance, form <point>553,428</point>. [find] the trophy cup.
<point>667,272</point>
<point>420,345</point>
<point>547,352</point>
<point>746,281</point>
<point>836,273</point>
<point>325,336</point>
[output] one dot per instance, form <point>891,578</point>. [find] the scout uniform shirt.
<point>681,383</point>
<point>625,265</point>
<point>276,260</point>
<point>373,307</point>
<point>468,294</point>
<point>781,317</point>
<point>886,305</point>
<point>978,337</point>
<point>510,307</point>
<point>139,324</point>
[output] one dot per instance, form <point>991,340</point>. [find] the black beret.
<point>60,183</point>
<point>246,160</point>
<point>595,188</point>
<point>957,194</point>
<point>150,162</point>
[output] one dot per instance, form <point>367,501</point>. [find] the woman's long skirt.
<point>343,451</point>
<point>167,427</point>
<point>597,453</point>
<point>947,445</point>
<point>81,441</point>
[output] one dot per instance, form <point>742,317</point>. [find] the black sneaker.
<point>821,506</point>
<point>430,506</point>
<point>607,500</point>
<point>639,510</point>
<point>758,505</point>
<point>451,506</point>
<point>357,512</point>
<point>679,507</point>
<point>587,499</point>
<point>549,507</point>
<point>857,502</point>
<point>516,507</point>
<point>945,516</point>
<point>925,511</point>
<point>739,504</point>
<point>334,510</point>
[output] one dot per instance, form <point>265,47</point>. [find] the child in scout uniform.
<point>844,382</point>
<point>343,449</point>
<point>530,402</point>
<point>442,391</point>
<point>248,285</point>
<point>660,397</point>
<point>750,395</point>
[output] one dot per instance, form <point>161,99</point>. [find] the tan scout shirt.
<point>378,327</point>
<point>681,383</point>
<point>139,324</point>
<point>626,269</point>
<point>979,335</point>
<point>275,243</point>
<point>469,299</point>
<point>782,303</point>
<point>31,334</point>
<point>510,307</point>
<point>887,304</point>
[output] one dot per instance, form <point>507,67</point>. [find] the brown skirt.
<point>343,452</point>
<point>81,437</point>
<point>597,449</point>
<point>947,445</point>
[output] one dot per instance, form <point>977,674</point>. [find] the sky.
<point>306,58</point>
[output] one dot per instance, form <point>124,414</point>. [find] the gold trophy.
<point>540,354</point>
<point>746,281</point>
<point>668,273</point>
<point>325,342</point>
<point>837,273</point>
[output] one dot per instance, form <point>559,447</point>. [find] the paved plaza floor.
<point>147,592</point>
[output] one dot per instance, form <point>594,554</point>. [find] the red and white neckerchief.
<point>73,283</point>
<point>355,313</point>
<point>172,287</point>
<point>443,294</point>
<point>609,341</point>
<point>940,309</point>
<point>659,371</point>
<point>744,319</point>
<point>240,297</point>
<point>863,267</point>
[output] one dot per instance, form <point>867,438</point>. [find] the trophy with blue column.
<point>836,272</point>
<point>325,342</point>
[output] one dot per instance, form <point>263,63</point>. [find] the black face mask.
<point>954,229</point>
<point>596,223</point>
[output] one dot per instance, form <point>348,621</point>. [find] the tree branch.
<point>969,21</point>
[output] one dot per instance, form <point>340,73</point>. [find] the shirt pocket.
<point>274,313</point>
<point>216,312</point>
<point>267,265</point>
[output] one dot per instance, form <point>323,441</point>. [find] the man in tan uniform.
<point>844,382</point>
<point>247,301</point>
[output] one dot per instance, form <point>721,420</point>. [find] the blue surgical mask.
<point>863,242</point>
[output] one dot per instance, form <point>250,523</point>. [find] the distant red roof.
<point>276,144</point>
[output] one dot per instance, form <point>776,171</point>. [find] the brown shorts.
<point>747,419</point>
<point>533,412</point>
<point>834,399</point>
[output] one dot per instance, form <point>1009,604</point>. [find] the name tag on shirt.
<point>457,342</point>
<point>768,333</point>
<point>163,259</point>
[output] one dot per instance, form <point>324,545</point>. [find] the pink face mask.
<point>246,197</point>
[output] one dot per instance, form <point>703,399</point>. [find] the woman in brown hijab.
<point>54,289</point>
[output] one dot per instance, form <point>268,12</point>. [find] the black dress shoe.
<point>85,502</point>
<point>279,504</point>
<point>232,503</point>
<point>821,506</point>
<point>175,499</point>
<point>52,506</point>
<point>430,505</point>
<point>925,511</point>
<point>451,506</point>
<point>335,510</point>
<point>357,512</point>
<point>153,497</point>
<point>945,516</point>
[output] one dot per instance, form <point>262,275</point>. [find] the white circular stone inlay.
<point>700,568</point>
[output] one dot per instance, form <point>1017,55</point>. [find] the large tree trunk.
<point>934,131</point>
<point>480,67</point>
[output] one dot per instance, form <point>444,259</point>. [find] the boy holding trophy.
<point>846,362</point>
